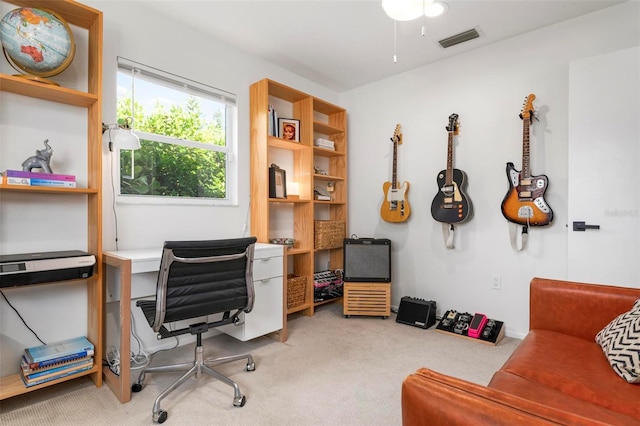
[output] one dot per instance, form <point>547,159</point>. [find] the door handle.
<point>581,226</point>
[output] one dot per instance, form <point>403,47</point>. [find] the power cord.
<point>113,360</point>
<point>21,319</point>
<point>140,359</point>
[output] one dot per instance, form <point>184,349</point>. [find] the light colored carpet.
<point>331,371</point>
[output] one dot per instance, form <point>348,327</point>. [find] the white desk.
<point>268,314</point>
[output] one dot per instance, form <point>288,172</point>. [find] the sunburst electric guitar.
<point>395,207</point>
<point>451,205</point>
<point>524,202</point>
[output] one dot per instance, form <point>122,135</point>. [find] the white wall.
<point>486,87</point>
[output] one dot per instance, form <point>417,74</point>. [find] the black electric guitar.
<point>451,205</point>
<point>524,202</point>
<point>395,206</point>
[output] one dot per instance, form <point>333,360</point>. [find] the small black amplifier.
<point>417,312</point>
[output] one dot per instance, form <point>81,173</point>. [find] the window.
<point>187,135</point>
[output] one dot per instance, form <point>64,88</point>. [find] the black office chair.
<point>196,279</point>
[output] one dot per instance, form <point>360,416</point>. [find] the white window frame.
<point>231,142</point>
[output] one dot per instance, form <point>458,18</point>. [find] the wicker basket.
<point>296,287</point>
<point>329,234</point>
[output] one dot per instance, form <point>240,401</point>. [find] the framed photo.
<point>277,182</point>
<point>289,129</point>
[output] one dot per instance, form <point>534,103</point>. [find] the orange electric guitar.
<point>395,207</point>
<point>524,203</point>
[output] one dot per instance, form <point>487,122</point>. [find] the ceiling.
<point>343,44</point>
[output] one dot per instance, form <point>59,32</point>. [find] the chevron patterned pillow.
<point>620,342</point>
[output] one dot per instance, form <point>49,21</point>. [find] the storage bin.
<point>296,287</point>
<point>329,234</point>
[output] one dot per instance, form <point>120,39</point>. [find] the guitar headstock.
<point>397,136</point>
<point>454,124</point>
<point>527,108</point>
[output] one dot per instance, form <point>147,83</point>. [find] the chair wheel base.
<point>240,401</point>
<point>251,366</point>
<point>160,417</point>
<point>136,387</point>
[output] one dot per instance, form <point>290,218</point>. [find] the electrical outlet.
<point>496,282</point>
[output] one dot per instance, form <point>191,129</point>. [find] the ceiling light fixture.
<point>435,9</point>
<point>405,10</point>
<point>408,10</point>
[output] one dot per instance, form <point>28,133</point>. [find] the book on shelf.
<point>29,368</point>
<point>324,143</point>
<point>58,369</point>
<point>28,381</point>
<point>272,121</point>
<point>59,350</point>
<point>38,175</point>
<point>12,180</point>
<point>24,181</point>
<point>52,182</point>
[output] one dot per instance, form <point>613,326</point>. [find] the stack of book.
<point>324,143</point>
<point>273,121</point>
<point>44,363</point>
<point>20,177</point>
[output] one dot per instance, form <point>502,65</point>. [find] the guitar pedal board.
<point>477,327</point>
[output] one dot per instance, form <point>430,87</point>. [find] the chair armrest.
<point>431,398</point>
<point>576,309</point>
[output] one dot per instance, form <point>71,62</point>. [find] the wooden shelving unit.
<point>318,118</point>
<point>90,19</point>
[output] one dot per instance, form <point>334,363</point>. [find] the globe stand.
<point>37,79</point>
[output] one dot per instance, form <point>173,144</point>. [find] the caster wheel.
<point>136,387</point>
<point>239,402</point>
<point>251,366</point>
<point>347,316</point>
<point>161,417</point>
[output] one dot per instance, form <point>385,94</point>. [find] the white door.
<point>604,180</point>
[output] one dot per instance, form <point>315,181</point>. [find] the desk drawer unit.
<point>266,316</point>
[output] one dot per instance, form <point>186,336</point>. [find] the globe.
<point>37,42</point>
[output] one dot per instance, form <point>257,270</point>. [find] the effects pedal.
<point>476,325</point>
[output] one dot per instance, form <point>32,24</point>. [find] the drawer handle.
<point>266,280</point>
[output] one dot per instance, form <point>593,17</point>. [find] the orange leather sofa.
<point>557,375</point>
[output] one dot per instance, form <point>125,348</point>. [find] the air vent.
<point>459,38</point>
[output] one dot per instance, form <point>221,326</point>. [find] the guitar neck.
<point>449,172</point>
<point>526,154</point>
<point>394,178</point>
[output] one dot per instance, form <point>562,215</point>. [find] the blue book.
<point>53,182</point>
<point>29,369</point>
<point>59,350</point>
<point>57,370</point>
<point>65,373</point>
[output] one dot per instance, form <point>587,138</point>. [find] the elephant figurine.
<point>40,160</point>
